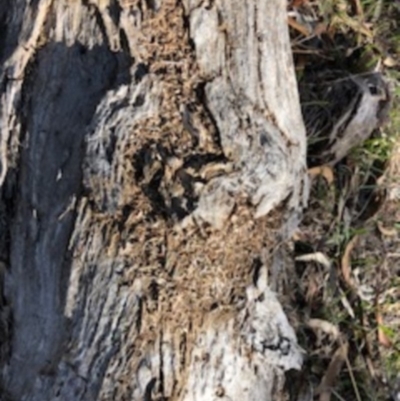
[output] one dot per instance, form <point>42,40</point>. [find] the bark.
<point>152,160</point>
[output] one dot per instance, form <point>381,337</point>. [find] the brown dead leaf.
<point>389,62</point>
<point>298,27</point>
<point>387,232</point>
<point>346,261</point>
<point>383,339</point>
<point>325,171</point>
<point>313,288</point>
<point>325,327</point>
<point>318,257</point>
<point>324,390</point>
<point>320,28</point>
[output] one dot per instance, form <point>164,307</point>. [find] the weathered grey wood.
<point>152,157</point>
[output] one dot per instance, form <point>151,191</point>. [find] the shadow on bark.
<point>58,100</point>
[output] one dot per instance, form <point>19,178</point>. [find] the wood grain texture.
<point>152,156</point>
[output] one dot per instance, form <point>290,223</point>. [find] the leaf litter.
<point>346,293</point>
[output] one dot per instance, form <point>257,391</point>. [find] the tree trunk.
<point>152,159</point>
